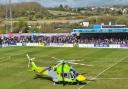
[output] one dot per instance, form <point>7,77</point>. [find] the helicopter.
<point>62,72</point>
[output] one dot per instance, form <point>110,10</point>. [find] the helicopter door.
<point>53,75</point>
<point>64,75</point>
<point>69,75</point>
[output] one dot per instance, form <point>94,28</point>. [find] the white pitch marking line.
<point>107,62</point>
<point>105,70</point>
<point>96,58</point>
<point>2,57</point>
<point>55,58</point>
<point>110,67</point>
<point>8,58</point>
<point>112,78</point>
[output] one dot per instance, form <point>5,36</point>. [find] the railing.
<point>68,45</point>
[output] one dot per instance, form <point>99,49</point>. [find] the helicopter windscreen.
<point>74,73</point>
<point>71,74</point>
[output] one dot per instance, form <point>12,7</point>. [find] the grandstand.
<point>113,36</point>
<point>103,35</point>
<point>100,31</point>
<point>103,29</point>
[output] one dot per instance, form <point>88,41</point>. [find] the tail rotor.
<point>29,60</point>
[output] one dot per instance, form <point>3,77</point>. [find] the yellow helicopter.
<point>62,72</point>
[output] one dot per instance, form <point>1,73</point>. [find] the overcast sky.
<point>73,3</point>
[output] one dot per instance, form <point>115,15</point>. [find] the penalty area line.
<point>8,58</point>
<point>106,70</point>
<point>4,57</point>
<point>112,78</point>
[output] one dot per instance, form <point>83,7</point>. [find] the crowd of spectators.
<point>39,39</point>
<point>60,39</point>
<point>104,41</point>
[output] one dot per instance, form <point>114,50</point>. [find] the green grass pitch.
<point>14,73</point>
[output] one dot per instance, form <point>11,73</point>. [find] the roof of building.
<point>103,29</point>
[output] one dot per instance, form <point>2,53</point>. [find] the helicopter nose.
<point>81,78</point>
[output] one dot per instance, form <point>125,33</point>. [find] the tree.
<point>61,7</point>
<point>20,26</point>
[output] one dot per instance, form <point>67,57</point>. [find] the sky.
<point>73,3</point>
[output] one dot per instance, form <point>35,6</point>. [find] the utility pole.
<point>11,23</point>
<point>6,15</point>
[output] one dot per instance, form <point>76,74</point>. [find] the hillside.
<point>29,10</point>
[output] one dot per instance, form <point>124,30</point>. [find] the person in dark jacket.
<point>0,42</point>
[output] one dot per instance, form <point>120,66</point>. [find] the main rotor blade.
<point>71,62</point>
<point>29,60</point>
<point>55,58</point>
<point>28,57</point>
<point>80,64</point>
<point>59,60</point>
<point>33,59</point>
<point>28,64</point>
<point>66,60</point>
<point>74,60</point>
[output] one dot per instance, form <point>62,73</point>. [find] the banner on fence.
<point>86,45</point>
<point>124,45</point>
<point>59,45</point>
<point>102,45</point>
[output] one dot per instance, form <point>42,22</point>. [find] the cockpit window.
<point>74,73</point>
<point>64,75</point>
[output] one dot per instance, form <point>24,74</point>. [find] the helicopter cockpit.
<point>72,74</point>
